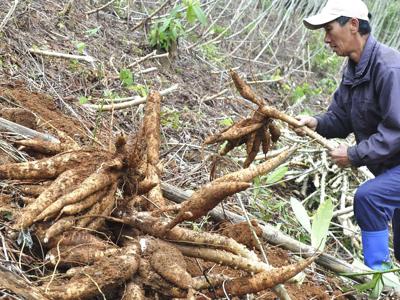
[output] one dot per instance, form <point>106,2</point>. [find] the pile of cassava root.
<point>70,196</point>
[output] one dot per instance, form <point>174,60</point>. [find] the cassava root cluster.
<point>75,191</point>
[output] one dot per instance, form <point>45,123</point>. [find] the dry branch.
<point>6,125</point>
<point>131,101</point>
<point>86,58</point>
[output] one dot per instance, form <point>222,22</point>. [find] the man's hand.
<point>339,156</point>
<point>308,121</point>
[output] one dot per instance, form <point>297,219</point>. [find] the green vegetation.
<point>166,32</point>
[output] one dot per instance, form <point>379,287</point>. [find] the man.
<point>367,103</point>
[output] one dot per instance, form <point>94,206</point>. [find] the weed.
<point>217,30</point>
<point>83,99</point>
<point>80,47</point>
<point>210,52</point>
<point>303,91</point>
<point>92,31</point>
<point>126,77</point>
<point>140,89</point>
<point>324,62</point>
<point>166,32</point>
<point>170,118</point>
<point>226,122</point>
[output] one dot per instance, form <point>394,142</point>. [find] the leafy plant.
<point>276,175</point>
<point>140,89</point>
<point>80,47</point>
<point>83,99</point>
<point>170,118</point>
<point>301,92</point>
<point>166,32</point>
<point>194,12</point>
<point>319,227</point>
<point>126,77</point>
<point>377,282</point>
<point>92,31</point>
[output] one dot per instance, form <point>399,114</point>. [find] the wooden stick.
<point>6,125</point>
<point>86,58</point>
<point>136,100</point>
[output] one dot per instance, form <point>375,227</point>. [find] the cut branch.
<point>130,101</point>
<point>6,125</point>
<point>86,58</point>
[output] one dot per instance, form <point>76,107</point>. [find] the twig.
<point>148,56</point>
<point>100,8</point>
<point>9,14</point>
<point>152,15</point>
<point>133,101</point>
<point>86,58</point>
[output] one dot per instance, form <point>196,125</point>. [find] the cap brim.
<point>318,21</point>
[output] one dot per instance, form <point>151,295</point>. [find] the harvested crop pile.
<point>76,195</point>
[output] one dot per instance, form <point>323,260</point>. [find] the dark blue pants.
<point>377,201</point>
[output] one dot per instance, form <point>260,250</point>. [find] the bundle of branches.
<point>80,193</point>
<point>256,131</point>
<point>259,129</point>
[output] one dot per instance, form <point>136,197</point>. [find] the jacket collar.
<point>355,74</point>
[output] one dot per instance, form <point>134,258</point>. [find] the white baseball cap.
<point>335,9</point>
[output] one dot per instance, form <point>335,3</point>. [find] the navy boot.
<point>376,249</point>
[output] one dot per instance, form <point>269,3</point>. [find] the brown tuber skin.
<point>105,274</point>
<point>263,280</point>
<point>205,199</point>
<point>48,168</point>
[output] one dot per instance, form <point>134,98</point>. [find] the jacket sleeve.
<point>385,143</point>
<point>335,123</point>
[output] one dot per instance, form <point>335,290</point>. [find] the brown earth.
<point>50,118</point>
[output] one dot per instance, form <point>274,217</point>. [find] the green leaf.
<point>320,224</point>
<point>83,100</point>
<point>226,122</point>
<point>126,77</point>
<point>190,14</point>
<point>368,285</point>
<point>80,46</point>
<point>93,31</point>
<point>301,214</point>
<point>200,15</point>
<point>378,288</point>
<point>276,175</point>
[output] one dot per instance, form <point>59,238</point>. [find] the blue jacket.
<point>367,103</point>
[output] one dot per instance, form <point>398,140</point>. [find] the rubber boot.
<point>376,249</point>
<point>396,233</point>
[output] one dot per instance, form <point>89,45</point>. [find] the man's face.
<point>340,38</point>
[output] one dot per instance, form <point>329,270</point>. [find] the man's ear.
<point>354,25</point>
